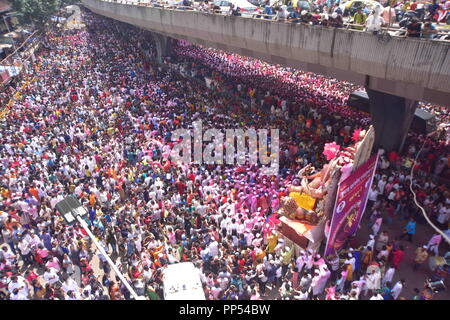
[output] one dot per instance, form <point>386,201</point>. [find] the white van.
<point>182,281</point>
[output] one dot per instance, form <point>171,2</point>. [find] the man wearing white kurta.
<point>324,275</point>
<point>373,281</point>
<point>388,276</point>
<point>397,289</point>
<point>315,283</point>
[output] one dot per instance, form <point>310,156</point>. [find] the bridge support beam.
<point>163,46</point>
<point>392,117</point>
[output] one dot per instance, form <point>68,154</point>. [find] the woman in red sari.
<point>397,257</point>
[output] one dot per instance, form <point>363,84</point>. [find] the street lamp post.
<point>72,211</point>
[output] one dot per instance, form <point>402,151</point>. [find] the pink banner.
<point>350,205</point>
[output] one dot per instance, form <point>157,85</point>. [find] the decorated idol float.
<point>306,214</point>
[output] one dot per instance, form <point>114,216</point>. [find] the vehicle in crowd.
<point>246,9</point>
<point>423,121</point>
<point>182,281</point>
<point>359,100</point>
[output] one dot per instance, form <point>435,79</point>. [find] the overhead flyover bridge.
<point>397,72</point>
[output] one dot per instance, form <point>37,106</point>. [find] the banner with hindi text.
<point>351,200</point>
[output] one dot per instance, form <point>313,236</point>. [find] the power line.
<point>415,197</point>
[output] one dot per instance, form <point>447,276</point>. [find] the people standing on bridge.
<point>359,18</point>
<point>374,22</point>
<point>414,28</point>
<point>388,14</point>
<point>282,14</point>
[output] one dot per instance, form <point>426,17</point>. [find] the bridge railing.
<point>389,31</point>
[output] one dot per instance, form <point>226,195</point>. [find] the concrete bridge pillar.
<point>163,46</point>
<point>392,117</point>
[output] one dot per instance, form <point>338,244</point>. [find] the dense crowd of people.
<point>95,118</point>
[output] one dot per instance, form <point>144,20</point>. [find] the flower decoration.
<point>356,135</point>
<point>331,150</point>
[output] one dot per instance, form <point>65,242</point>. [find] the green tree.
<point>36,11</point>
<point>39,11</point>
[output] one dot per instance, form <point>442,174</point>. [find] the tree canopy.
<point>39,11</point>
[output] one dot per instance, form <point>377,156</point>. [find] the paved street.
<point>414,279</point>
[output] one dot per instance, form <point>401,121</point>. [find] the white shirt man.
<point>373,281</point>
<point>373,194</point>
<point>202,209</point>
<point>303,295</point>
<point>8,255</point>
<point>171,258</point>
<point>374,23</point>
<point>360,285</point>
<point>35,241</point>
<point>397,289</point>
<point>301,260</point>
<point>352,260</point>
<point>389,275</point>
<point>18,295</point>
<point>371,242</point>
<point>70,285</point>
<point>382,184</point>
<point>224,223</point>
<point>215,291</point>
<point>214,248</point>
<point>51,276</point>
<point>378,296</point>
<point>249,237</point>
<point>257,241</point>
<point>7,235</point>
<point>20,284</point>
<point>309,260</point>
<point>148,274</point>
<point>232,227</point>
<point>391,195</point>
<point>24,247</point>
